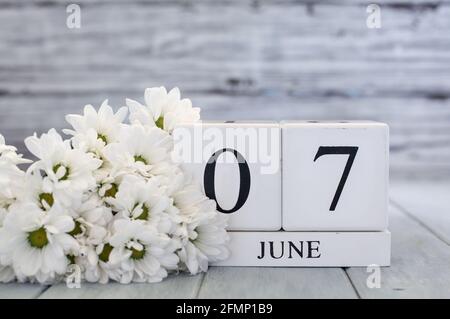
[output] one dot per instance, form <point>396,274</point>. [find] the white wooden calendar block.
<point>309,249</point>
<point>335,175</point>
<point>238,165</point>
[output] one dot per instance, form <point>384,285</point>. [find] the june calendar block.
<point>238,165</point>
<point>335,175</point>
<point>309,249</point>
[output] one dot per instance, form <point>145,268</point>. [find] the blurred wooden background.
<point>237,59</point>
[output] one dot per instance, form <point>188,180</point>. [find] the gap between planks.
<point>351,282</point>
<point>418,220</point>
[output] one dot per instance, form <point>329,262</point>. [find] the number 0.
<point>244,173</point>
<point>339,150</point>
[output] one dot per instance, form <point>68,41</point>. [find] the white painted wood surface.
<point>273,283</point>
<point>182,286</point>
<point>427,202</point>
<point>419,267</point>
<point>21,291</point>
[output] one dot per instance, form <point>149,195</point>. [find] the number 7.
<point>339,150</point>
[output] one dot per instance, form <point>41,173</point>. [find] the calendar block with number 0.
<point>238,166</point>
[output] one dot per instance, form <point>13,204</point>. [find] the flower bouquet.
<point>109,200</point>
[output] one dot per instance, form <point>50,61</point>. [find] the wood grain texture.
<point>273,283</point>
<point>214,48</point>
<point>419,266</point>
<point>237,59</point>
<point>426,202</point>
<point>174,287</point>
<point>420,135</point>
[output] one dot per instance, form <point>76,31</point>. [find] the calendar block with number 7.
<point>335,175</point>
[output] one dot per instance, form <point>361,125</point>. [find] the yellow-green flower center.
<point>38,238</point>
<point>71,259</point>
<point>76,230</point>
<point>140,158</point>
<point>104,255</point>
<point>112,191</point>
<point>137,254</point>
<point>102,137</point>
<point>145,212</point>
<point>66,173</point>
<point>160,122</point>
<point>47,198</point>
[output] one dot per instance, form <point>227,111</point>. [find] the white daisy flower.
<point>95,129</point>
<point>140,199</point>
<point>110,199</point>
<point>109,186</point>
<point>94,258</point>
<point>92,210</point>
<point>8,154</point>
<point>11,186</point>
<point>39,190</point>
<point>163,109</point>
<point>37,242</point>
<point>190,200</point>
<point>140,150</point>
<point>11,177</point>
<point>93,254</point>
<point>143,254</point>
<point>68,170</point>
<point>202,231</point>
<point>206,241</point>
<point>91,219</point>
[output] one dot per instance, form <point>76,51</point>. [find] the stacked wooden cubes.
<point>298,193</point>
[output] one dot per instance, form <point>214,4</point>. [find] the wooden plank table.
<point>419,222</point>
